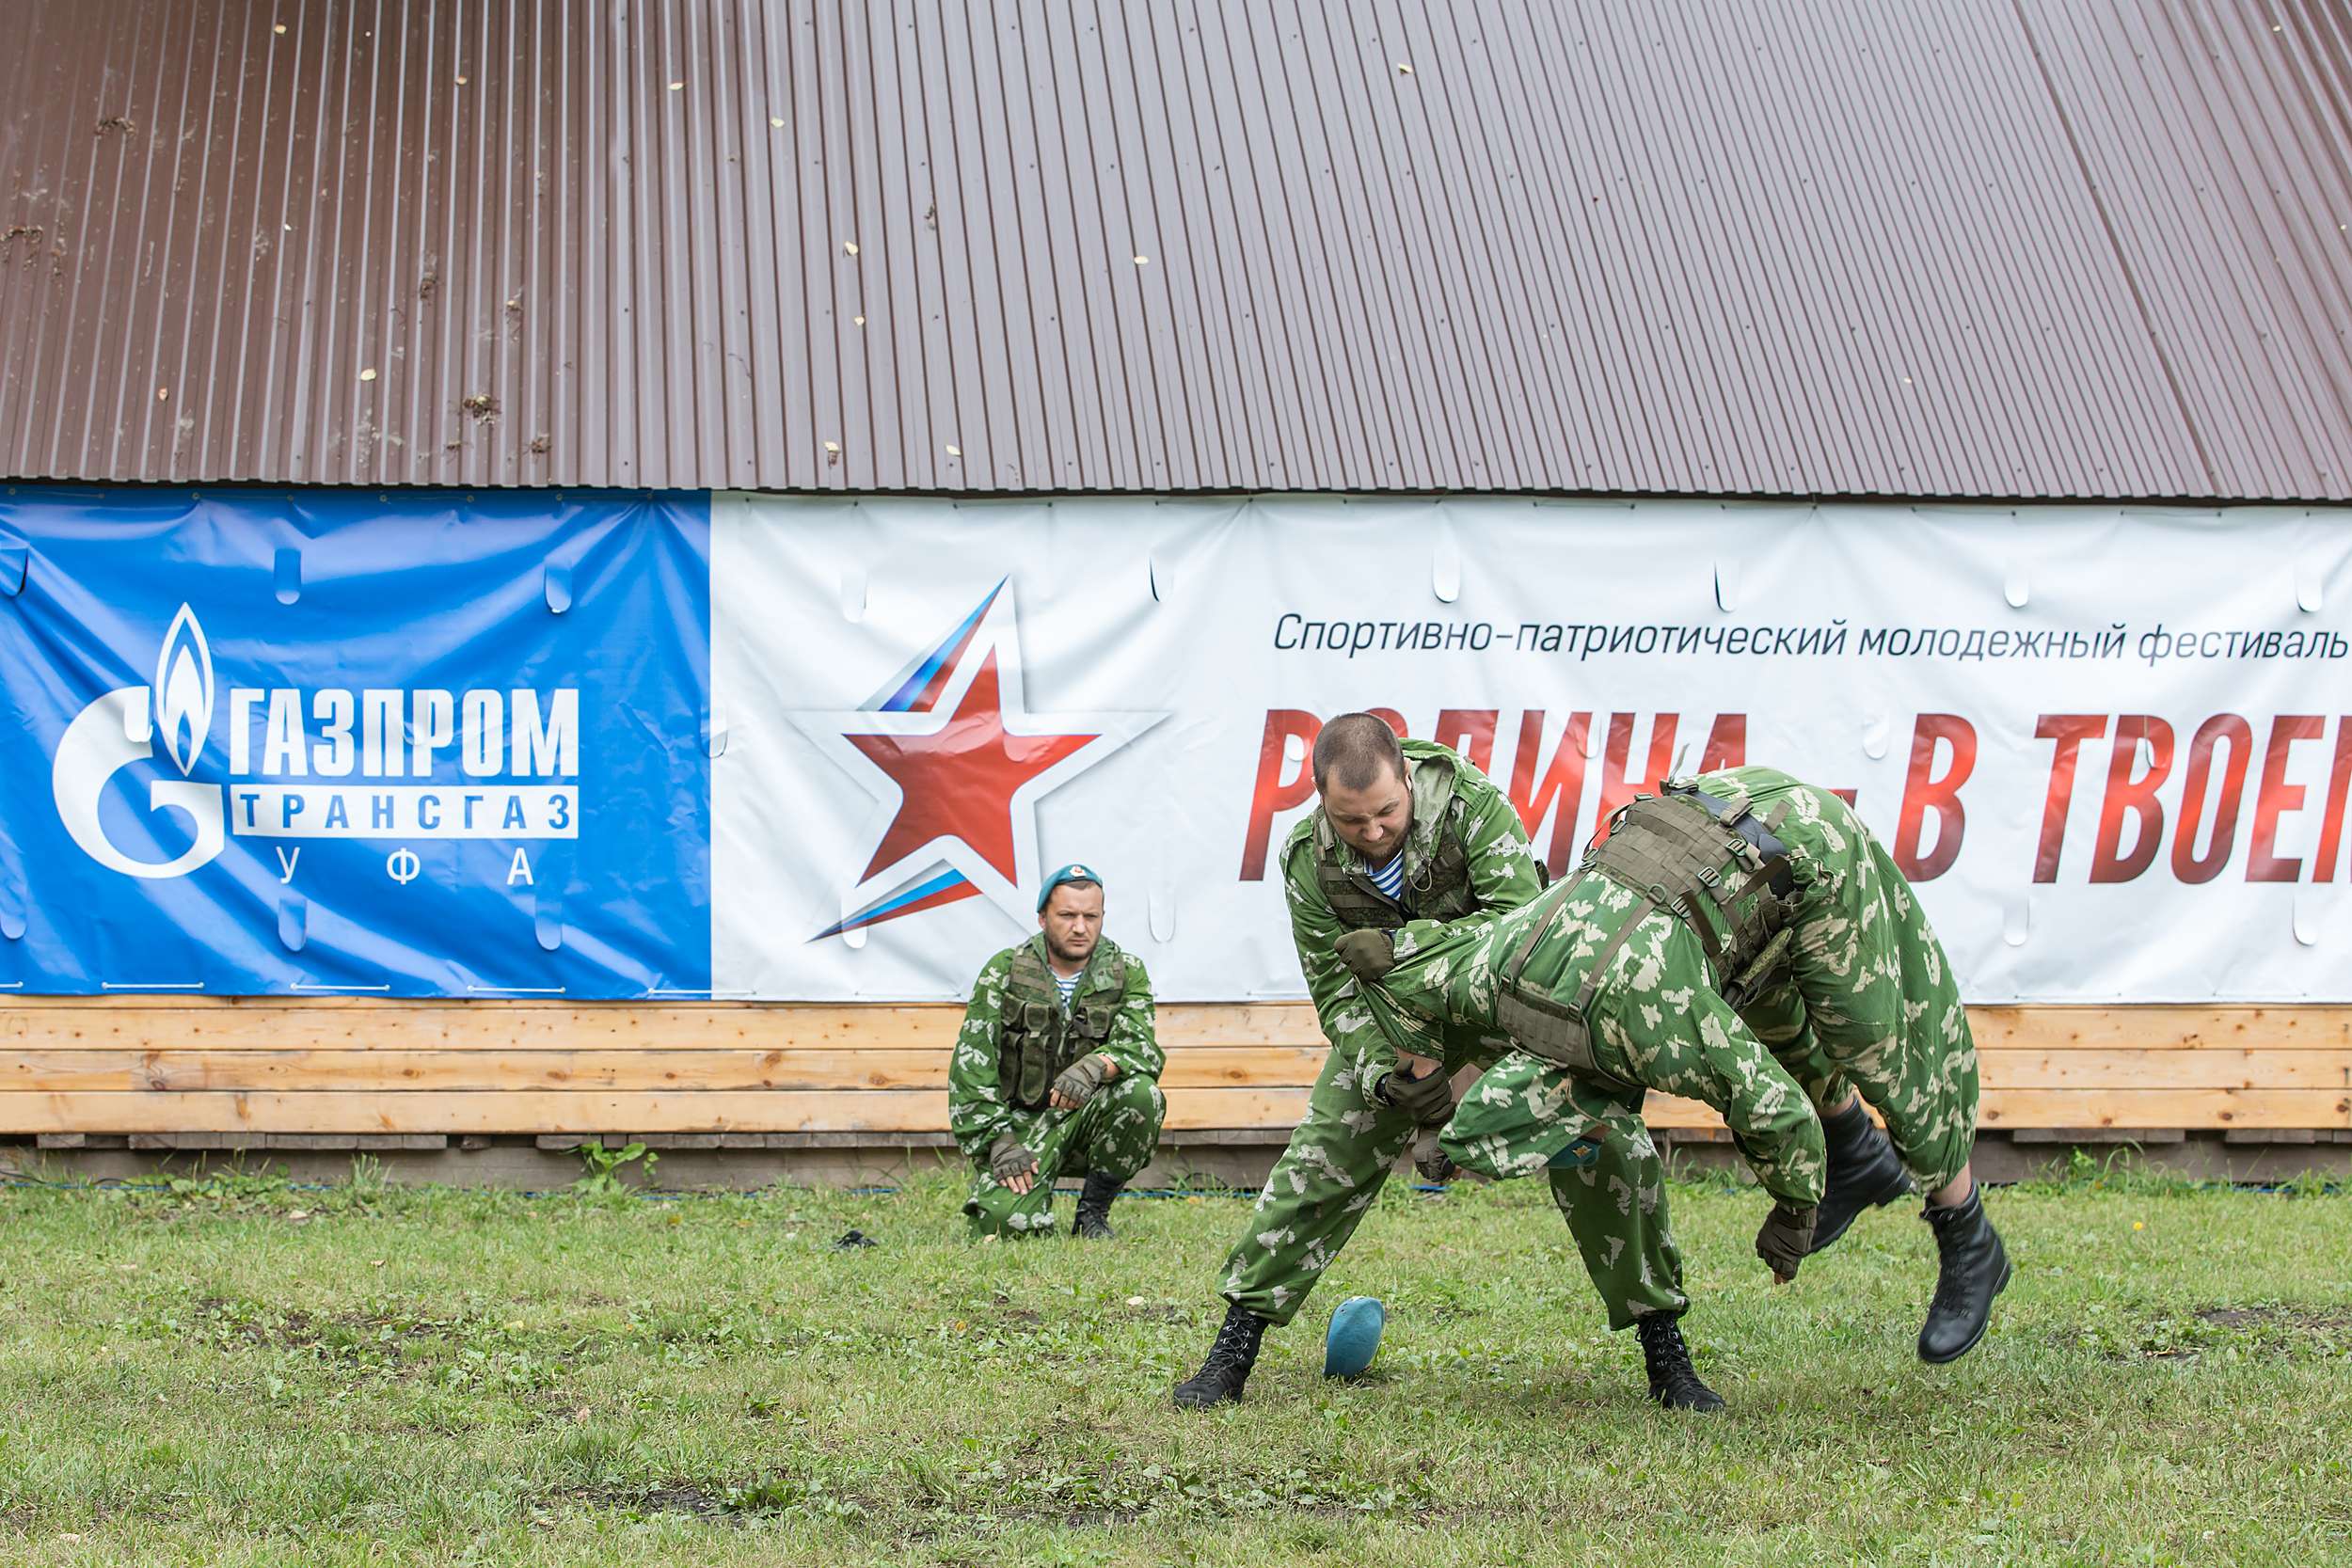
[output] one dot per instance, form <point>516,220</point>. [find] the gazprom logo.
<point>183,688</point>
<point>306,764</point>
<point>118,730</point>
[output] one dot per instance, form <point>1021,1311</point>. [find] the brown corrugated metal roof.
<point>2048,247</point>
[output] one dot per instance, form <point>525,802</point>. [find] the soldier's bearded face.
<point>1373,820</point>
<point>1073,922</point>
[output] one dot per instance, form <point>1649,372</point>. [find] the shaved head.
<point>1356,750</point>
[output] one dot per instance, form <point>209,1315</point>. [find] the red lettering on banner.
<point>1390,717</point>
<point>1727,743</point>
<point>2070,730</point>
<point>2136,795</point>
<point>1618,783</point>
<point>1272,795</point>
<point>2276,798</point>
<point>1471,732</point>
<point>2186,864</point>
<point>1923,792</point>
<point>2331,823</point>
<point>1533,790</point>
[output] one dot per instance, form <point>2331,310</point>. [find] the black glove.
<point>1009,1157</point>
<point>1081,1078</point>
<point>1371,954</point>
<point>1433,1162</point>
<point>1784,1240</point>
<point>1430,1097</point>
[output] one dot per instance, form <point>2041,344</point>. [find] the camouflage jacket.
<point>978,1108</point>
<point>1448,794</point>
<point>1657,1012</point>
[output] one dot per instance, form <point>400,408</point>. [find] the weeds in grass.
<point>603,1168</point>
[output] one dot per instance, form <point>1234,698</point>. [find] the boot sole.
<point>1900,1187</point>
<point>1183,1404</point>
<point>1718,1408</point>
<point>1982,1328</point>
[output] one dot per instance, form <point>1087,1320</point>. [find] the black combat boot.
<point>1864,1172</point>
<point>1093,1221</point>
<point>1231,1358</point>
<point>1673,1380</point>
<point>1972,1268</point>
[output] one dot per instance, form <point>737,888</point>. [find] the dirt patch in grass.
<point>296,1329</point>
<point>2264,1332</point>
<point>1162,1314</point>
<point>694,1503</point>
<point>2307,1321</point>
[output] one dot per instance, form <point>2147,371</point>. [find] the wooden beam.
<point>2125,1108</point>
<point>566,1111</point>
<point>280,1023</point>
<point>390,1070</point>
<point>387,1070</point>
<point>902,1110</point>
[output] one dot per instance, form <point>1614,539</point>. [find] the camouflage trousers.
<point>1114,1133</point>
<point>1613,1197</point>
<point>1868,1003</point>
<point>1871,993</point>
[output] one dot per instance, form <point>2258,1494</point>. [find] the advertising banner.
<point>523,745</point>
<point>2111,746</point>
<point>334,743</point>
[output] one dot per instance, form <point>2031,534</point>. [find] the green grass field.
<point>240,1371</point>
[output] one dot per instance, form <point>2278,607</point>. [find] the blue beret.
<point>1068,874</point>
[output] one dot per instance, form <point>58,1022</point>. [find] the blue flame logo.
<point>183,690</point>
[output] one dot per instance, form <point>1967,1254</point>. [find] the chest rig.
<point>1438,888</point>
<point>1036,1039</point>
<point>1709,863</point>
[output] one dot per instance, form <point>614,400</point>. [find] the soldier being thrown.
<point>1739,908</point>
<point>1408,831</point>
<point>1056,1070</point>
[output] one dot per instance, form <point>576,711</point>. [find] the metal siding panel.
<point>1581,246</point>
<point>1208,302</point>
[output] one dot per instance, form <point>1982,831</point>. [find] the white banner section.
<point>2111,747</point>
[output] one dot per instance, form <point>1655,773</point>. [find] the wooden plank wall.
<point>175,1065</point>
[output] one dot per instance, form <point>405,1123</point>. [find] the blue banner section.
<point>328,742</point>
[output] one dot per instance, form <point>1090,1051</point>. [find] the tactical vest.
<point>1709,863</point>
<point>1036,1039</point>
<point>1439,887</point>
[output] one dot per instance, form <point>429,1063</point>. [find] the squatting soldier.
<point>1731,913</point>
<point>1412,830</point>
<point>1056,1070</point>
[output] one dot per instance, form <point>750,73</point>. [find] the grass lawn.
<point>238,1371</point>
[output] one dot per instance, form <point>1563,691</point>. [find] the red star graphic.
<point>958,781</point>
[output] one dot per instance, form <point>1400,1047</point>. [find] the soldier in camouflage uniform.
<point>1460,849</point>
<point>1737,909</point>
<point>1056,1070</point>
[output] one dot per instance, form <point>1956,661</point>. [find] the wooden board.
<point>147,1023</point>
<point>924,1110</point>
<point>176,1064</point>
<point>397,1069</point>
<point>569,1111</point>
<point>388,1070</point>
<point>2004,1109</point>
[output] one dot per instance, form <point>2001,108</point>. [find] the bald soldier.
<point>1730,911</point>
<point>1412,832</point>
<point>1056,1070</point>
